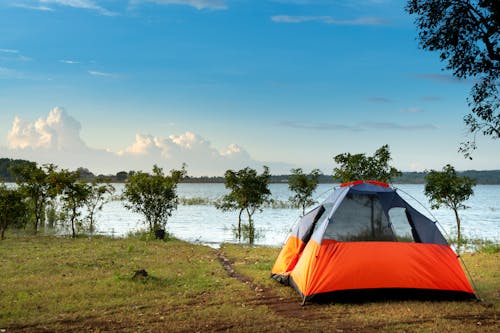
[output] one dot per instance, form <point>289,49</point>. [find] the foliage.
<point>74,195</point>
<point>446,188</point>
<point>360,167</point>
<point>37,183</point>
<point>153,196</point>
<point>466,34</point>
<point>13,209</point>
<point>98,195</point>
<point>303,186</point>
<point>248,192</point>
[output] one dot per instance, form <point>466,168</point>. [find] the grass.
<point>49,283</point>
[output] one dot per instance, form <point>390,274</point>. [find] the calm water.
<point>205,224</point>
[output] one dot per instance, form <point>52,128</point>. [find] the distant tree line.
<point>488,177</point>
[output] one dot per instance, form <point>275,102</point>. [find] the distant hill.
<point>410,177</point>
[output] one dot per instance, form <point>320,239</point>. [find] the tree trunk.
<point>3,234</point>
<point>73,233</point>
<point>239,224</point>
<point>459,236</point>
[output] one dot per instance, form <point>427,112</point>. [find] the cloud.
<point>33,7</point>
<point>361,21</point>
<point>58,131</point>
<point>398,127</point>
<point>104,74</point>
<point>379,100</point>
<point>430,98</point>
<point>10,51</point>
<point>45,5</point>
<point>440,78</point>
<point>363,126</point>
<point>318,126</point>
<point>69,62</point>
<point>412,110</point>
<point>198,4</point>
<point>56,139</point>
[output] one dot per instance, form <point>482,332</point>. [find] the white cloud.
<point>198,4</point>
<point>69,62</point>
<point>46,5</point>
<point>56,139</point>
<point>104,74</point>
<point>328,20</point>
<point>58,131</point>
<point>9,51</point>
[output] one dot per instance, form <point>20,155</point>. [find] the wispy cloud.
<point>441,78</point>
<point>104,74</point>
<point>413,109</point>
<point>33,7</point>
<point>198,4</point>
<point>379,100</point>
<point>69,62</point>
<point>363,126</point>
<point>9,51</point>
<point>395,126</point>
<point>9,73</point>
<point>318,126</point>
<point>48,5</point>
<point>430,98</point>
<point>328,20</point>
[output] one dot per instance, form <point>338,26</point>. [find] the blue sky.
<point>219,84</point>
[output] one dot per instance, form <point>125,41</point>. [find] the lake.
<point>205,224</point>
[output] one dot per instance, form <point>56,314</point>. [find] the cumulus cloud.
<point>328,20</point>
<point>58,131</point>
<point>56,139</point>
<point>198,4</point>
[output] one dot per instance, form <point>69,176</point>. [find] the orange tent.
<point>365,237</point>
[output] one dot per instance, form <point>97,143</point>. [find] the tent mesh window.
<point>400,224</point>
<point>359,217</point>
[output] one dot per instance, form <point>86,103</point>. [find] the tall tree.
<point>74,194</point>
<point>13,209</point>
<point>248,192</point>
<point>35,182</point>
<point>361,167</point>
<point>446,188</point>
<point>153,196</point>
<point>98,193</point>
<point>466,33</point>
<point>303,186</point>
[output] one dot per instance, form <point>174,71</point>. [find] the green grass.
<point>49,283</point>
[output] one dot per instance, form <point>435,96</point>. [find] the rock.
<point>140,274</point>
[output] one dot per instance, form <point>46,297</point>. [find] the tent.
<point>366,238</point>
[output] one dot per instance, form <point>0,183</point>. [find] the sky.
<point>118,85</point>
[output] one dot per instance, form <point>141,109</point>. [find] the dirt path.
<point>282,306</point>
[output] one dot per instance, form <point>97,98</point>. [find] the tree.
<point>35,182</point>
<point>96,199</point>
<point>13,209</point>
<point>466,33</point>
<point>249,192</point>
<point>304,186</point>
<point>74,195</point>
<point>360,167</point>
<point>446,188</point>
<point>154,196</point>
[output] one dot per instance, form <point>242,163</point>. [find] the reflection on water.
<point>205,224</point>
